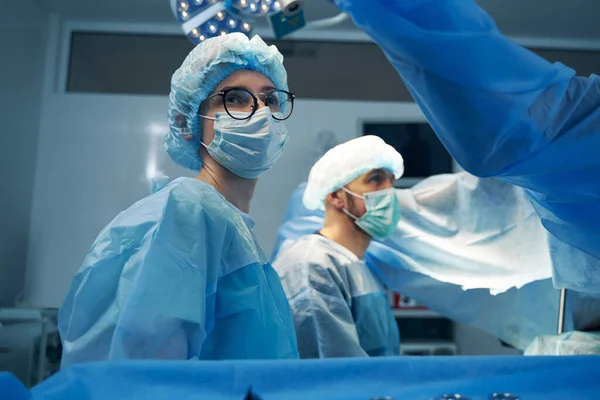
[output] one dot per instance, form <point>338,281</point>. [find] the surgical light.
<point>291,7</point>
<point>255,8</point>
<point>203,19</point>
<point>289,20</point>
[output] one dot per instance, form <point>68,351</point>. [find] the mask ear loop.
<point>349,214</point>
<point>209,118</point>
<point>352,193</point>
<point>207,168</point>
<point>355,195</point>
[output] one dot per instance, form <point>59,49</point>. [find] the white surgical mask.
<point>250,146</point>
<point>382,215</point>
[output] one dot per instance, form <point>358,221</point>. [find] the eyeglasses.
<point>241,104</point>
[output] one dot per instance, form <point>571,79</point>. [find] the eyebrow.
<point>264,89</point>
<point>267,89</point>
<point>378,171</point>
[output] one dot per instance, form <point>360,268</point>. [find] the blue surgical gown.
<point>503,112</point>
<point>423,240</point>
<point>178,275</point>
<point>339,306</point>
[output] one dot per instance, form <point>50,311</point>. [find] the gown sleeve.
<point>142,291</point>
<point>499,109</point>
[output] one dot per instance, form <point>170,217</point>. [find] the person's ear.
<point>336,199</point>
<point>180,122</point>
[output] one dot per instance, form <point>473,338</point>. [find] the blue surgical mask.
<point>382,215</point>
<point>247,147</point>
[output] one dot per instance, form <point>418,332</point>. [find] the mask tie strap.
<point>207,117</point>
<point>352,193</point>
<point>349,214</point>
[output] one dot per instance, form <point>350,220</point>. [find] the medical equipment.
<point>428,349</point>
<point>561,311</point>
<point>29,343</point>
<point>203,19</point>
<point>493,396</point>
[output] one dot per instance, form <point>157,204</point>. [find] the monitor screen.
<point>423,153</point>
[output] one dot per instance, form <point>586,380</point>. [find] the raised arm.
<point>499,109</point>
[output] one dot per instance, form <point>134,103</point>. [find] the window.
<point>124,64</point>
<point>143,64</point>
<point>423,153</point>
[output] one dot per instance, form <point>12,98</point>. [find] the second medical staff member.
<point>180,274</point>
<point>339,306</point>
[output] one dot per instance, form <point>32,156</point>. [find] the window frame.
<point>61,31</point>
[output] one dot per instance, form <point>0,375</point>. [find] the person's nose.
<point>388,184</point>
<point>261,101</point>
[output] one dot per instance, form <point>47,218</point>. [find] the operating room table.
<point>398,378</point>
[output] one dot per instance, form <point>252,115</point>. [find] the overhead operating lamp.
<point>256,8</point>
<point>285,16</point>
<point>203,19</point>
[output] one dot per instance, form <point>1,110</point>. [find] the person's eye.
<point>272,101</point>
<point>233,99</point>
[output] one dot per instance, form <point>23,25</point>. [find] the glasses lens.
<point>280,103</point>
<point>239,103</point>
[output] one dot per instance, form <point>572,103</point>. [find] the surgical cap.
<point>203,69</point>
<point>346,162</point>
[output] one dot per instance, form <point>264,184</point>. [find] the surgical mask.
<point>247,147</point>
<point>382,215</point>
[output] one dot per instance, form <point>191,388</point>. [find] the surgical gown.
<point>503,112</point>
<point>466,230</point>
<point>178,275</point>
<point>340,308</point>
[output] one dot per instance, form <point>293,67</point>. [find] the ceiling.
<point>552,19</point>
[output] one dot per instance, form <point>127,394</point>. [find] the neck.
<point>341,229</point>
<point>238,191</point>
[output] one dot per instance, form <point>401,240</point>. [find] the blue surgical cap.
<point>203,69</point>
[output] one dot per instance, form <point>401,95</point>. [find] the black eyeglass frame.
<point>224,93</point>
